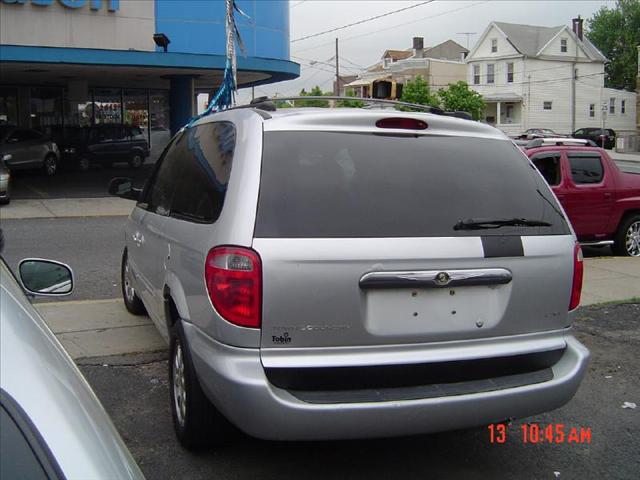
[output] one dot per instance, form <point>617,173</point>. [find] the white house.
<point>545,77</point>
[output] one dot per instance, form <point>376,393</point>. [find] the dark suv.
<point>104,144</point>
<point>603,137</point>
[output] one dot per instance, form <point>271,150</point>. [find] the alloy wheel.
<point>129,291</point>
<point>179,390</point>
<point>136,161</point>
<point>632,239</point>
<point>50,165</point>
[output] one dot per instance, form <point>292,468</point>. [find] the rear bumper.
<point>234,379</point>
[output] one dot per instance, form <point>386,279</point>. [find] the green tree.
<point>315,92</point>
<point>616,32</point>
<point>351,103</point>
<point>418,91</point>
<point>458,97</point>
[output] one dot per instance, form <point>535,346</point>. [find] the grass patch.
<point>614,302</point>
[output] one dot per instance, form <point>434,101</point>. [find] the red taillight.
<point>234,281</point>
<point>402,123</point>
<point>578,271</point>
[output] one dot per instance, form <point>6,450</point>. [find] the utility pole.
<point>574,75</point>
<point>468,34</point>
<point>337,89</point>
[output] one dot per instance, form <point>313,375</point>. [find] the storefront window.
<point>108,105</point>
<point>8,106</point>
<point>159,121</point>
<point>45,109</point>
<point>136,109</point>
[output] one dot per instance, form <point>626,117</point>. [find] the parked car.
<point>28,149</point>
<point>5,177</point>
<point>352,273</point>
<point>545,142</point>
<point>51,423</point>
<point>104,144</point>
<point>532,133</point>
<point>603,137</point>
<point>602,202</point>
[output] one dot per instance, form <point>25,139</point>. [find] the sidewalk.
<point>626,157</point>
<point>103,328</point>
<point>66,207</point>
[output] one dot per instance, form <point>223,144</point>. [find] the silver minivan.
<point>352,273</point>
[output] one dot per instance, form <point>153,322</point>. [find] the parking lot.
<point>136,396</point>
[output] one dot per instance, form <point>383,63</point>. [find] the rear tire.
<point>627,239</point>
<point>50,165</point>
<point>196,421</point>
<point>132,302</point>
<point>84,164</point>
<point>136,161</point>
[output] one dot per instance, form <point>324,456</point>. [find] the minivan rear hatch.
<point>386,239</point>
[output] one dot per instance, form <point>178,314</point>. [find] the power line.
<point>296,4</point>
<point>359,22</point>
<point>428,17</point>
<point>313,62</point>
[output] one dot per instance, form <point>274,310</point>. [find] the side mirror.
<point>123,187</point>
<point>46,277</point>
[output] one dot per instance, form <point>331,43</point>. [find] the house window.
<point>612,106</point>
<point>592,110</point>
<point>476,74</point>
<point>547,105</point>
<point>491,73</point>
<point>494,45</point>
<point>510,72</point>
<point>563,45</point>
<point>623,107</point>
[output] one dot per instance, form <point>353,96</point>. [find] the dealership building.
<point>70,63</point>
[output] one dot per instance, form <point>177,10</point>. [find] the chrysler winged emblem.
<point>442,278</point>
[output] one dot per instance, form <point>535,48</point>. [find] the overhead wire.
<point>360,22</point>
<point>342,40</point>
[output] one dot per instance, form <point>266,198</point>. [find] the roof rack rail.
<point>270,104</point>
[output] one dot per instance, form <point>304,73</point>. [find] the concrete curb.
<point>66,208</point>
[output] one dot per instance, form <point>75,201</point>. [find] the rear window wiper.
<point>482,223</point>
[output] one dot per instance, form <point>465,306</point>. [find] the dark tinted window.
<point>586,167</point>
<point>160,189</point>
<point>548,164</point>
<point>323,184</point>
<point>206,154</point>
<point>18,458</point>
<point>22,135</point>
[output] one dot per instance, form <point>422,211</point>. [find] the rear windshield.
<point>327,185</point>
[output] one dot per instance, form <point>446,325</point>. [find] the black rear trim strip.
<point>424,391</point>
<point>502,246</point>
<point>409,375</point>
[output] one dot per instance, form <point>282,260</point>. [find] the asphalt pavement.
<point>92,246</point>
<point>134,390</point>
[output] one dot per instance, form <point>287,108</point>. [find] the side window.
<point>548,164</point>
<point>19,136</point>
<point>207,155</point>
<point>580,132</point>
<point>586,168</point>
<point>159,193</point>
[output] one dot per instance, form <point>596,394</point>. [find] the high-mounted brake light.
<point>402,123</point>
<point>233,276</point>
<point>578,271</point>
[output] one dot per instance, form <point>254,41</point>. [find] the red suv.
<point>602,202</point>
